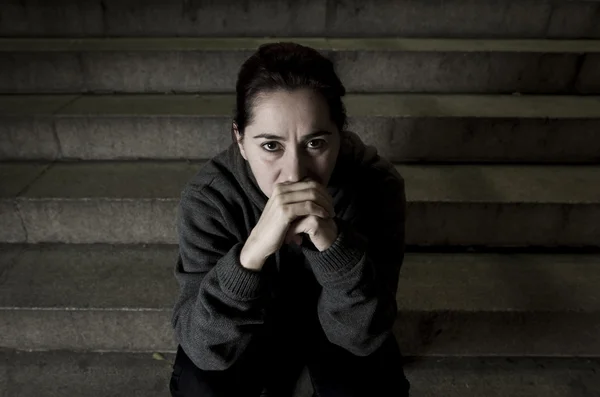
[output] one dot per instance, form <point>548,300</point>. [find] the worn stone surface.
<point>403,128</point>
<point>33,105</point>
<point>28,138</point>
<point>360,71</point>
<point>115,297</point>
<point>457,18</point>
<point>77,221</point>
<point>94,276</point>
<point>114,138</point>
<point>575,19</point>
<point>421,333</point>
<point>542,225</point>
<point>163,72</point>
<point>104,179</point>
<point>12,230</point>
<point>192,65</point>
<point>16,177</point>
<point>493,205</point>
<point>589,77</point>
<point>30,72</point>
<point>456,72</point>
<point>139,374</point>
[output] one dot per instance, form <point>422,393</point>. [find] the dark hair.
<point>287,66</point>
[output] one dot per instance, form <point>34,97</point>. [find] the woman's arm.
<point>219,306</point>
<point>359,272</point>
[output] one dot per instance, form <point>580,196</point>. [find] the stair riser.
<point>362,71</point>
<point>419,333</point>
<point>428,223</point>
<point>475,139</point>
<point>457,18</point>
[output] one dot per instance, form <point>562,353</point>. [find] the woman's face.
<point>291,137</point>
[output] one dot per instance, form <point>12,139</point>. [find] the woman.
<point>290,246</point>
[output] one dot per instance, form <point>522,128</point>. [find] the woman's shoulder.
<point>214,180</point>
<point>368,166</point>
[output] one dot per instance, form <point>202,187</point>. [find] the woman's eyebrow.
<point>307,137</point>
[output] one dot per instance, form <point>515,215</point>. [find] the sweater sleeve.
<point>359,272</point>
<point>219,306</point>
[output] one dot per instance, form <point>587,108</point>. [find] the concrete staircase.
<point>491,110</point>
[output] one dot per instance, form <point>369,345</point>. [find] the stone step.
<point>120,298</point>
<point>192,65</point>
<point>403,127</point>
<point>84,374</point>
<point>448,205</point>
<point>452,18</point>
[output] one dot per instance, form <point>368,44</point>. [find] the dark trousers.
<point>268,367</point>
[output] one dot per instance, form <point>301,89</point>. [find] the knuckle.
<point>309,206</point>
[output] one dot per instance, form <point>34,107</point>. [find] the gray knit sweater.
<point>350,287</point>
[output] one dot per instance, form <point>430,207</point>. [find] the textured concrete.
<point>104,202</point>
<point>32,105</point>
<point>28,138</point>
<point>455,333</point>
<point>464,333</point>
<point>125,202</point>
<point>429,281</point>
<point>139,137</point>
<point>123,180</point>
<point>61,373</point>
<point>481,140</point>
<point>139,374</point>
<point>103,297</point>
<point>567,15</point>
<point>16,177</point>
<point>499,282</point>
<point>403,128</point>
<point>89,276</point>
<point>38,18</point>
<point>12,230</point>
<point>324,44</point>
<point>205,105</point>
<point>480,106</point>
<point>506,184</point>
<point>589,78</point>
<point>99,220</point>
<point>456,72</point>
<point>24,72</point>
<point>457,18</point>
<point>188,65</point>
<point>499,377</point>
<point>503,225</point>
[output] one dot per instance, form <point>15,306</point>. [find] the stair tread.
<point>320,43</point>
<point>377,105</point>
<point>140,277</point>
<point>61,373</point>
<point>505,184</point>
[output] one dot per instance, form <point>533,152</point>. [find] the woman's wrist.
<point>249,259</point>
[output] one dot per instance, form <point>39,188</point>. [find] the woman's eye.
<point>272,146</point>
<point>321,143</point>
<point>270,143</point>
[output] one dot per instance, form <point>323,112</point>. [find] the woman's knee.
<point>189,380</point>
<point>336,372</point>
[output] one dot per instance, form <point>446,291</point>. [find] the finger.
<point>307,208</point>
<point>306,183</point>
<point>315,194</point>
<point>307,224</point>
